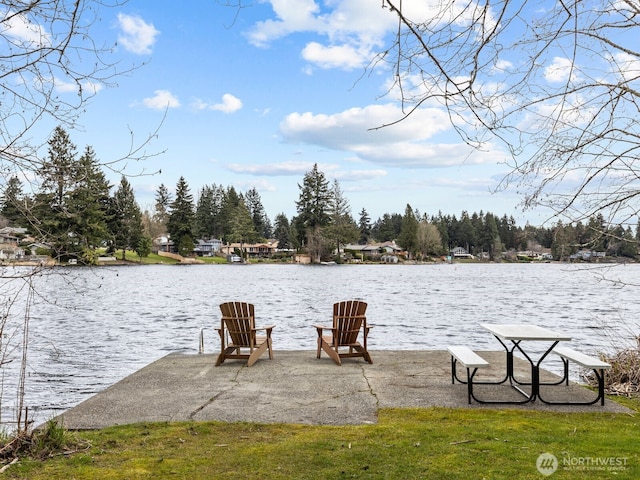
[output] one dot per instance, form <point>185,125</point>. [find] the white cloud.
<point>407,143</point>
<point>629,66</point>
<point>352,30</point>
<point>272,169</point>
<point>300,168</point>
<point>229,104</point>
<point>161,100</point>
<point>355,126</point>
<point>137,36</point>
<point>21,29</point>
<point>292,16</point>
<point>260,185</point>
<point>88,88</point>
<point>559,71</point>
<point>340,56</point>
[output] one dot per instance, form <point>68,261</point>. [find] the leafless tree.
<point>50,69</point>
<point>555,84</point>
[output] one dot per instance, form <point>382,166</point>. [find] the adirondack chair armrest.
<point>323,327</point>
<point>267,328</point>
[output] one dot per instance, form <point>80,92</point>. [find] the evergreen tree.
<point>387,228</point>
<point>88,205</point>
<point>58,171</point>
<point>442,224</point>
<point>466,232</point>
<point>181,219</point>
<point>261,223</point>
<point>51,217</point>
<point>144,247</point>
<point>314,203</point>
<point>230,200</point>
<point>205,215</point>
<point>282,231</point>
<point>162,205</point>
<point>364,226</point>
<point>488,237</point>
<point>14,207</point>
<point>242,227</point>
<point>408,238</point>
<point>126,220</point>
<point>342,228</point>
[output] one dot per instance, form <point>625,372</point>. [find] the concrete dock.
<point>296,387</point>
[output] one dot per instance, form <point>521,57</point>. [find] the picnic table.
<point>523,338</point>
<point>520,337</point>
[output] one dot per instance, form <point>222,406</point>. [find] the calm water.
<point>107,323</point>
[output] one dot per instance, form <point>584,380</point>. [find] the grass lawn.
<point>433,443</point>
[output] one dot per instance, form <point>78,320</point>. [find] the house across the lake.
<point>252,250</point>
<point>460,252</point>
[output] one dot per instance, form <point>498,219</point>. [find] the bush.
<point>50,440</point>
<point>623,378</point>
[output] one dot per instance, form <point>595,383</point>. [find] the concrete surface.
<point>296,387</point>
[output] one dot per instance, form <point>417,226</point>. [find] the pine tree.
<point>51,218</point>
<point>230,200</point>
<point>261,222</point>
<point>14,207</point>
<point>282,231</point>
<point>88,205</point>
<point>314,203</point>
<point>126,221</point>
<point>342,228</point>
<point>181,219</point>
<point>163,202</point>
<point>364,226</point>
<point>205,215</point>
<point>242,227</point>
<point>408,238</point>
<point>59,171</point>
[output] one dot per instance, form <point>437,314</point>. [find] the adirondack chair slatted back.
<point>238,319</point>
<point>348,320</point>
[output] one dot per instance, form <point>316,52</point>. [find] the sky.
<point>253,98</point>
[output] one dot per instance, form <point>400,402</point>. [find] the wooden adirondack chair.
<point>349,332</point>
<point>238,334</point>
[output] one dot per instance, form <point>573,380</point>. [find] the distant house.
<point>252,250</point>
<point>535,256</point>
<point>202,248</point>
<point>9,235</point>
<point>587,255</point>
<point>460,252</point>
<point>385,249</point>
<point>207,248</point>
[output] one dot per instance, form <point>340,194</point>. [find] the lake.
<point>90,328</point>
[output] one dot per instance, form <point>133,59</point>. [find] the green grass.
<point>433,443</point>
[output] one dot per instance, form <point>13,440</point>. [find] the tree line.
<point>74,213</point>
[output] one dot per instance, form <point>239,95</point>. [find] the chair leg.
<point>253,358</point>
<point>270,347</point>
<point>220,359</point>
<point>331,352</point>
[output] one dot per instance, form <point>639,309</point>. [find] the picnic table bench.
<point>468,359</point>
<point>567,355</point>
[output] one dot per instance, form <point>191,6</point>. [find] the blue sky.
<point>253,98</point>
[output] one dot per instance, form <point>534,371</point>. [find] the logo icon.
<point>547,464</point>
